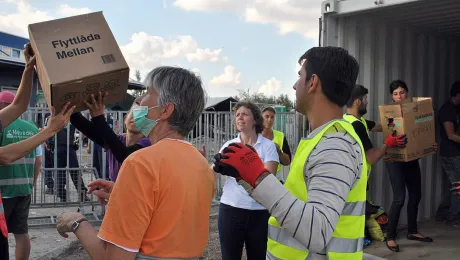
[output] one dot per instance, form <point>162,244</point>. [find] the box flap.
<point>415,99</point>
<point>76,47</point>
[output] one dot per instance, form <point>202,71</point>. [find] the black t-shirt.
<point>362,133</point>
<point>449,113</point>
<point>286,148</point>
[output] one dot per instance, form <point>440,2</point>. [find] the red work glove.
<point>456,188</point>
<point>394,140</point>
<point>240,161</point>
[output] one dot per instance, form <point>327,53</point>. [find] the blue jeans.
<point>451,167</point>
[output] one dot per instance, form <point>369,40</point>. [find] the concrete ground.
<point>446,244</point>
<point>47,244</point>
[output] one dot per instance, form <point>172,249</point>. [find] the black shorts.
<point>16,214</point>
<point>4,248</point>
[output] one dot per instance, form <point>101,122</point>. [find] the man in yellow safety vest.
<point>356,109</point>
<point>320,212</point>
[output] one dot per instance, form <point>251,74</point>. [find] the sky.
<point>232,44</point>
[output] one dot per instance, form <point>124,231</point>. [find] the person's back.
<point>173,188</point>
<point>449,113</point>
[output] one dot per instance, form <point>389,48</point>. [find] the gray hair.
<point>184,90</point>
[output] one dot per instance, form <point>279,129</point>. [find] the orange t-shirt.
<point>161,202</point>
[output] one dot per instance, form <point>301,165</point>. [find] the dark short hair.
<point>336,69</point>
<point>271,109</point>
<point>455,89</point>
<point>398,84</point>
<point>358,92</point>
<point>255,110</point>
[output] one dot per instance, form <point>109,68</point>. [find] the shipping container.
<point>417,41</point>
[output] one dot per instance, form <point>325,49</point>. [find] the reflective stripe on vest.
<point>351,119</point>
<point>278,138</point>
<point>347,240</point>
<point>3,227</point>
<point>16,181</point>
<point>144,257</point>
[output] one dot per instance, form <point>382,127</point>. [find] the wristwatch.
<point>76,224</point>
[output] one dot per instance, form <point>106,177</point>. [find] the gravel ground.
<point>76,252</point>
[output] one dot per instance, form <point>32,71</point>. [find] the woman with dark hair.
<point>404,175</point>
<point>242,221</point>
<point>278,137</point>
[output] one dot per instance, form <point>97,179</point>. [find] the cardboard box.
<point>76,57</point>
<point>416,120</point>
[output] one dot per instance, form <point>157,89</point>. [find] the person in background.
<point>356,109</point>
<point>49,163</point>
<point>38,163</point>
<point>449,119</point>
<point>319,212</point>
<point>242,221</point>
<point>64,147</point>
<point>159,206</point>
<point>278,137</point>
<point>404,175</point>
<point>15,151</point>
<point>119,146</point>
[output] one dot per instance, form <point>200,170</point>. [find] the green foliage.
<point>283,99</point>
<point>138,93</point>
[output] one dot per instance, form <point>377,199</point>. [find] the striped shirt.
<point>332,169</point>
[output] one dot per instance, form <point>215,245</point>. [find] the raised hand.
<point>96,107</point>
<point>57,122</point>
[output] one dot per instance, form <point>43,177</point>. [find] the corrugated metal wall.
<point>428,64</point>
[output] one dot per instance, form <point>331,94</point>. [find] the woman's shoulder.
<point>265,141</point>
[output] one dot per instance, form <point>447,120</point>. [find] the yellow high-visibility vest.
<point>348,237</point>
<point>278,138</point>
<point>352,119</point>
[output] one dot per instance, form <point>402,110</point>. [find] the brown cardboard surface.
<point>416,120</point>
<point>77,56</point>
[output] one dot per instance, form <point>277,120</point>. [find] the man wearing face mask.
<point>356,109</point>
<point>159,207</point>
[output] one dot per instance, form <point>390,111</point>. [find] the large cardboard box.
<point>76,57</point>
<point>415,119</point>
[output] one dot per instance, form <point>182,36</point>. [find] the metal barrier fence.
<point>65,174</point>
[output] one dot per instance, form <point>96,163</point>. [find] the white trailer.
<point>417,41</point>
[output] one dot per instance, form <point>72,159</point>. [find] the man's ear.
<point>313,83</point>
